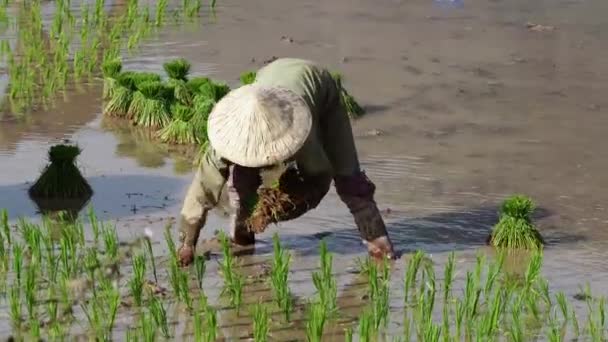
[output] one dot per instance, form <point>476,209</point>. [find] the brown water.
<point>471,106</point>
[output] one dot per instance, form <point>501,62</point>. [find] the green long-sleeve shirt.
<point>329,149</point>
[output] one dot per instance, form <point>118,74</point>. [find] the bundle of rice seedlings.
<point>202,108</point>
<point>177,69</point>
<point>515,229</point>
<point>122,94</point>
<point>289,198</point>
<point>353,108</point>
<point>149,107</point>
<point>111,70</point>
<point>214,90</point>
<point>61,179</point>
<point>194,84</point>
<point>180,91</point>
<point>180,130</point>
<point>248,77</point>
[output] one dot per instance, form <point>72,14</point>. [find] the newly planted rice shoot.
<point>159,314</point>
<point>136,284</point>
<point>324,281</point>
<point>279,278</point>
<point>261,323</point>
<point>200,267</point>
<point>233,281</point>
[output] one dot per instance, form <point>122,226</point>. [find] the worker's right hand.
<point>380,248</point>
<point>185,255</point>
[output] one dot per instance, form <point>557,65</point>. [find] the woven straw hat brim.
<point>256,126</point>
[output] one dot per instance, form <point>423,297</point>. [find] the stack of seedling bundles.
<point>515,229</point>
<point>175,109</point>
<point>61,186</point>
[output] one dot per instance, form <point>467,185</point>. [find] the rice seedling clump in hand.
<point>61,178</point>
<point>149,107</point>
<point>515,228</point>
<point>180,130</point>
<point>111,71</point>
<point>353,108</point>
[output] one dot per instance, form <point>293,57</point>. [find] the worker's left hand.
<point>380,248</point>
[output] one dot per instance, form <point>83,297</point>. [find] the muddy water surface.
<point>466,106</point>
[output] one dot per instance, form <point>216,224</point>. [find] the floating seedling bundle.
<point>352,107</point>
<point>515,228</point>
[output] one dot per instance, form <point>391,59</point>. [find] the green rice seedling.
<point>448,276</point>
<point>180,91</point>
<point>94,224</point>
<point>279,278</point>
<point>514,228</point>
<point>193,9</point>
<point>15,304</point>
<point>317,317</point>
<point>348,335</point>
<point>247,77</point>
<point>6,229</point>
<point>110,239</point>
<point>378,284</point>
<point>149,107</point>
<point>411,273</point>
<point>184,293</point>
<point>233,281</point>
<point>31,276</point>
<point>261,323</point>
<point>147,327</point>
<point>161,7</point>
<point>198,326</point>
<point>351,106</point>
<point>324,281</point>
<point>180,130</point>
<point>61,178</point>
<point>136,283</point>
<point>18,262</point>
<point>148,243</point>
<point>159,314</point>
<point>34,328</point>
<point>366,327</point>
<point>111,71</point>
<point>200,266</point>
<point>210,324</point>
<point>170,244</point>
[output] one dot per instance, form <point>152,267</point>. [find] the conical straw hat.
<point>256,126</point>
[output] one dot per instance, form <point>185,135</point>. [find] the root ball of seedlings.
<point>61,178</point>
<point>515,229</point>
<point>149,107</point>
<point>177,69</point>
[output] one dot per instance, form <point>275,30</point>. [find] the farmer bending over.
<point>291,118</point>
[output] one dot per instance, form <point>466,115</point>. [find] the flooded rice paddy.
<point>465,106</point>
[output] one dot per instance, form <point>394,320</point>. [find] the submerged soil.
<point>466,105</point>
